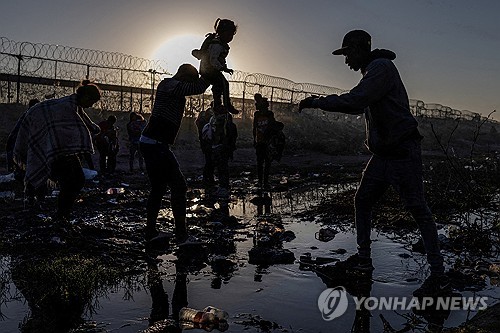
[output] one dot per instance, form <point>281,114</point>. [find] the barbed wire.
<point>33,69</point>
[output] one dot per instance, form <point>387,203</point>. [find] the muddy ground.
<point>107,241</point>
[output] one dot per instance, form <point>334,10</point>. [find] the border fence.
<point>128,83</point>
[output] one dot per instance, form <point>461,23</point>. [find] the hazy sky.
<point>447,50</point>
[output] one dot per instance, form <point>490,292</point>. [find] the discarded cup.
<point>115,190</point>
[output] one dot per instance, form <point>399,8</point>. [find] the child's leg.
<point>217,87</point>
<point>225,91</point>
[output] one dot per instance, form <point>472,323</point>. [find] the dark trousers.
<point>133,152</point>
<point>263,163</point>
<point>220,160</point>
<point>220,88</point>
<point>405,175</point>
<point>163,171</point>
<point>107,161</point>
<point>67,171</point>
<point>208,168</point>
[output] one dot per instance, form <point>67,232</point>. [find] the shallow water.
<point>284,294</point>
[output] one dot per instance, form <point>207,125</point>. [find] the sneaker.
<point>434,285</point>
<point>356,264</point>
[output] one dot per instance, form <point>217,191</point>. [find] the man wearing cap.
<point>394,140</point>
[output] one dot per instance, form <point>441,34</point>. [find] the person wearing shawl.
<point>52,137</point>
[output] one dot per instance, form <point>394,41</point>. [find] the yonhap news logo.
<point>333,303</point>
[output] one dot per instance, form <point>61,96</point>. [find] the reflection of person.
<point>51,138</point>
<point>107,144</point>
<point>212,56</point>
<point>160,132</point>
<point>160,319</point>
<point>134,129</point>
<point>357,285</point>
<point>393,139</point>
<point>263,203</point>
<point>263,118</point>
<point>206,147</point>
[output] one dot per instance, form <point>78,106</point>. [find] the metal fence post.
<point>18,85</point>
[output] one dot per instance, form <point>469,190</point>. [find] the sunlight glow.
<point>177,51</point>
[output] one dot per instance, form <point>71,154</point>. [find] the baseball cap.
<point>354,38</point>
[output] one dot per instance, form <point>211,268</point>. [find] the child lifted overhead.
<point>212,56</point>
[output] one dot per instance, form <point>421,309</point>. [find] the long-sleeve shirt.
<point>168,109</point>
<point>382,97</point>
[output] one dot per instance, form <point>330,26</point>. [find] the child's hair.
<point>89,89</point>
<point>224,25</point>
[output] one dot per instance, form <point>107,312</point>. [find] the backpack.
<point>277,141</point>
<point>220,130</point>
<point>202,52</point>
<point>207,133</point>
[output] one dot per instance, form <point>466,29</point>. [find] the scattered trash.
<point>339,251</point>
<point>325,234</point>
<point>270,256</point>
<point>269,234</point>
<point>216,225</point>
<point>196,316</point>
<point>306,262</point>
<point>208,318</point>
<point>89,174</point>
<point>7,195</point>
<point>115,190</point>
<point>219,314</point>
<point>7,178</point>
<point>56,240</point>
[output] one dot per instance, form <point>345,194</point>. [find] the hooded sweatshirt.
<point>382,97</point>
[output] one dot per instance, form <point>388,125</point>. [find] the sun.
<point>177,51</point>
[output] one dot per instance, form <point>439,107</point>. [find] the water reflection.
<point>357,285</point>
<point>226,257</point>
<point>57,289</point>
<point>189,260</point>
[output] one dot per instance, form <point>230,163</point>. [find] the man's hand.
<point>307,103</point>
<point>228,70</point>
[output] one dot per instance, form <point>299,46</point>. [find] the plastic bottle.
<point>219,314</point>
<point>115,190</point>
<point>196,316</point>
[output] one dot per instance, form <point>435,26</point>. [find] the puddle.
<point>283,294</point>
